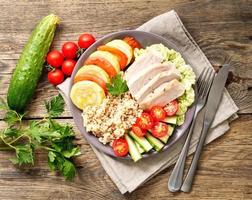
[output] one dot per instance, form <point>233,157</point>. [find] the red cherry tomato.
<point>69,50</point>
<point>55,58</point>
<point>138,131</point>
<point>55,77</point>
<point>159,129</point>
<point>132,42</point>
<point>158,113</point>
<point>171,108</point>
<point>68,66</point>
<point>145,121</point>
<point>86,40</point>
<point>120,147</point>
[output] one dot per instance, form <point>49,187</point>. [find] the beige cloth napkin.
<point>128,175</point>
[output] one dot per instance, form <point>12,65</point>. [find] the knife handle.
<point>187,185</point>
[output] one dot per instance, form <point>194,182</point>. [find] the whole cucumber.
<point>30,64</point>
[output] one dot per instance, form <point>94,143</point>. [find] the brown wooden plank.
<point>225,169</point>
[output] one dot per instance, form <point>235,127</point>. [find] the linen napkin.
<point>128,175</point>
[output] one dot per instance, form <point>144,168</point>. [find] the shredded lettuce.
<point>188,77</point>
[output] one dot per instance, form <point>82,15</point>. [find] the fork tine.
<point>209,83</point>
<point>202,79</point>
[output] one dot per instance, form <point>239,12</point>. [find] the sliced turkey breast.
<point>163,94</point>
<point>156,81</point>
<point>141,62</point>
<point>147,74</point>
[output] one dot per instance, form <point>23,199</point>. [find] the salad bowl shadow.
<point>145,39</point>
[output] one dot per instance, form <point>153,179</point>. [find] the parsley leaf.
<point>55,106</point>
<point>117,86</point>
<point>24,155</point>
<point>47,134</point>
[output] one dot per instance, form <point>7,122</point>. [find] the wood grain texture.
<point>222,28</point>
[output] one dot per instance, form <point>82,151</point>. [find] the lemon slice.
<point>122,46</point>
<point>95,70</point>
<point>86,93</point>
<point>109,57</point>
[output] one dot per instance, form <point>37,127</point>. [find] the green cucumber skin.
<point>134,153</point>
<point>171,120</point>
<point>157,144</point>
<point>140,149</point>
<point>143,142</point>
<point>30,64</point>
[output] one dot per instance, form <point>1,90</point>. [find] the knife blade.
<point>212,104</point>
<point>216,93</point>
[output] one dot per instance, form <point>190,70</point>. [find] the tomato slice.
<point>91,77</point>
<point>171,108</point>
<point>138,131</point>
<point>145,121</point>
<point>159,129</point>
<point>102,63</point>
<point>132,42</point>
<point>120,147</point>
<point>122,58</point>
<point>158,113</point>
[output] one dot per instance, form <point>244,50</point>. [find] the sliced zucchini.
<point>142,141</point>
<point>134,153</point>
<point>140,149</point>
<point>169,133</point>
<point>171,120</point>
<point>154,142</point>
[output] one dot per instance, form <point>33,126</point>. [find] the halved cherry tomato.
<point>120,147</point>
<point>91,77</point>
<point>159,129</point>
<point>158,113</point>
<point>102,63</point>
<point>138,131</point>
<point>145,121</point>
<point>132,42</point>
<point>119,54</point>
<point>171,108</point>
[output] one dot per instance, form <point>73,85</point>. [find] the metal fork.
<point>204,83</point>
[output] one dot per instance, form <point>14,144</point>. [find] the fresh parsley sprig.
<point>117,86</point>
<point>45,134</point>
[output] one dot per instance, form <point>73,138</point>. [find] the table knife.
<point>212,104</point>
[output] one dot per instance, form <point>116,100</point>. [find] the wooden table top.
<point>223,29</point>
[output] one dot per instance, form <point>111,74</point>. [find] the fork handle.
<point>176,178</point>
<point>187,185</point>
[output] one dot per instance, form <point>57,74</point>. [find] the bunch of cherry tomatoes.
<point>62,62</point>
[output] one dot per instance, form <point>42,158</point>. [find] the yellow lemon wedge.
<point>109,57</point>
<point>122,46</point>
<point>86,93</point>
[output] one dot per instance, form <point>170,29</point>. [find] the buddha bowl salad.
<point>132,97</point>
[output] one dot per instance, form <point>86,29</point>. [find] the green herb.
<point>117,86</point>
<point>45,134</point>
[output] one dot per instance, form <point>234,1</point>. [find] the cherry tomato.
<point>158,113</point>
<point>120,147</point>
<point>69,50</point>
<point>171,108</point>
<point>145,121</point>
<point>132,42</point>
<point>68,66</point>
<point>159,129</point>
<point>55,77</point>
<point>55,58</point>
<point>86,40</point>
<point>138,131</point>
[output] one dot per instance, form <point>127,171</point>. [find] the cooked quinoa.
<point>111,119</point>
